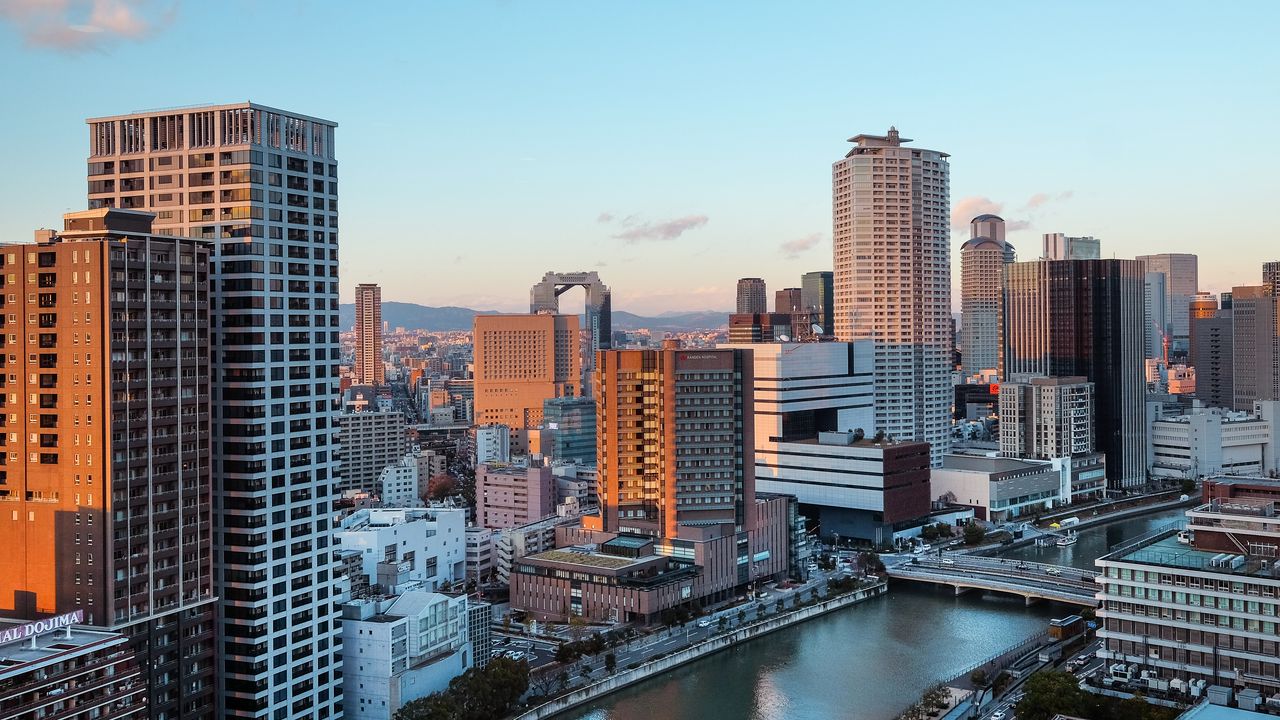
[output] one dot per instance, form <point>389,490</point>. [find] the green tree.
<point>973,533</point>
<point>477,694</point>
<point>610,663</point>
<point>1052,693</point>
<point>722,623</point>
<point>562,680</point>
<point>979,678</point>
<point>742,616</point>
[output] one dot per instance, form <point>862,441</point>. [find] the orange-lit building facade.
<point>105,472</point>
<point>675,440</point>
<point>520,361</point>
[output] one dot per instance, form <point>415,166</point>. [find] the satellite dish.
<point>784,338</point>
<point>816,328</point>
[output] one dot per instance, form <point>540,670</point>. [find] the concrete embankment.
<point>625,678</point>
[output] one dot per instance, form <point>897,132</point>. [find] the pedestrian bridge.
<point>1033,581</point>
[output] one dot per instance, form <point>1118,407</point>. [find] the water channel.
<point>863,663</point>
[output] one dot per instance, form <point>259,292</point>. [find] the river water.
<point>867,662</point>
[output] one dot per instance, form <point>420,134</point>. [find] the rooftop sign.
<point>39,627</point>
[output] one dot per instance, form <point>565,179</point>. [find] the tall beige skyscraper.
<point>890,207</point>
<point>522,361</point>
<point>368,368</point>
<point>982,261</point>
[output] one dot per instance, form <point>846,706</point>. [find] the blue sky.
<point>673,146</point>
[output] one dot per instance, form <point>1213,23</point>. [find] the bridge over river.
<point>1033,581</point>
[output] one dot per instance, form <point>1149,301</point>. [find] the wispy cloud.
<point>660,230</point>
<point>82,25</point>
<point>967,208</point>
<point>604,217</point>
<point>1042,198</point>
<point>794,248</point>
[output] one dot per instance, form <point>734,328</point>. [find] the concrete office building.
<point>999,489</point>
<point>891,227</point>
<point>1213,441</point>
<point>569,430</point>
<point>817,296</point>
<point>1212,352</point>
<point>521,361</point>
<point>1066,318</point>
<point>1046,417</point>
<point>479,554</point>
<point>788,300</point>
<point>982,261</point>
<point>1155,331</point>
<point>1058,246</point>
<point>1255,345</point>
<point>73,673</point>
<point>1182,282</point>
<point>513,495</point>
<point>370,441</point>
<point>106,501</point>
<point>368,366</point>
<point>493,444</point>
<point>401,649</point>
<point>262,184</point>
<point>1201,606</point>
<point>811,399</point>
<point>752,297</point>
<point>398,545</point>
<point>762,328</point>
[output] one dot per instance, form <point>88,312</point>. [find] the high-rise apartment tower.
<point>105,485</point>
<point>262,185</point>
<point>751,296</point>
<point>368,366</point>
<point>982,261</point>
<point>890,222</point>
<point>676,441</point>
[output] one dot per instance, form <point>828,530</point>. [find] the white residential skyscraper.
<point>262,185</point>
<point>368,365</point>
<point>890,207</point>
<point>982,261</point>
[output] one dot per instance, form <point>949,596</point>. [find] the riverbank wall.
<point>1088,522</point>
<point>626,678</point>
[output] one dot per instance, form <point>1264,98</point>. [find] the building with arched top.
<point>982,261</point>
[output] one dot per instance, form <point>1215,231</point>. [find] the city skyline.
<point>652,230</point>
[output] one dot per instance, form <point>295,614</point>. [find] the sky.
<point>674,147</point>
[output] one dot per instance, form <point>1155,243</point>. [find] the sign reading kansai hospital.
<point>39,627</point>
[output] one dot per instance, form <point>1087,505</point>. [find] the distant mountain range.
<point>442,319</point>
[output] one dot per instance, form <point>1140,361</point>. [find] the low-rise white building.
<point>1215,441</point>
<point>395,650</point>
<point>397,546</point>
<point>493,444</point>
<point>479,553</point>
<point>997,488</point>
<point>400,483</point>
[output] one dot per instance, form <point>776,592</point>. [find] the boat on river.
<point>1068,539</point>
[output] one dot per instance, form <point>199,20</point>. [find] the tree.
<point>870,563</point>
<point>973,533</point>
<point>1052,693</point>
<point>563,680</point>
<point>979,678</point>
<point>722,623</point>
<point>777,607</point>
<point>577,627</point>
<point>610,663</point>
<point>477,694</point>
<point>440,486</point>
<point>742,616</point>
<point>936,698</point>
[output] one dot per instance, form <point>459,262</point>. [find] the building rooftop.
<point>1164,550</point>
<point>206,107</point>
<point>20,655</point>
<point>988,464</point>
<point>590,559</point>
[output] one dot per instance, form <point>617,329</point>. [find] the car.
<point>704,622</point>
<point>762,595</point>
<point>1053,571</point>
<point>998,715</point>
<point>948,561</point>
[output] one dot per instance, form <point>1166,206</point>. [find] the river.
<point>864,663</point>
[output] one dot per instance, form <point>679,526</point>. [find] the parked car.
<point>704,622</point>
<point>948,561</point>
<point>1053,571</point>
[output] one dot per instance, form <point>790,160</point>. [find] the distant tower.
<point>1271,275</point>
<point>544,297</point>
<point>1182,281</point>
<point>891,226</point>
<point>368,367</point>
<point>817,297</point>
<point>1058,246</point>
<point>1211,351</point>
<point>751,296</point>
<point>982,261</point>
<point>788,300</point>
